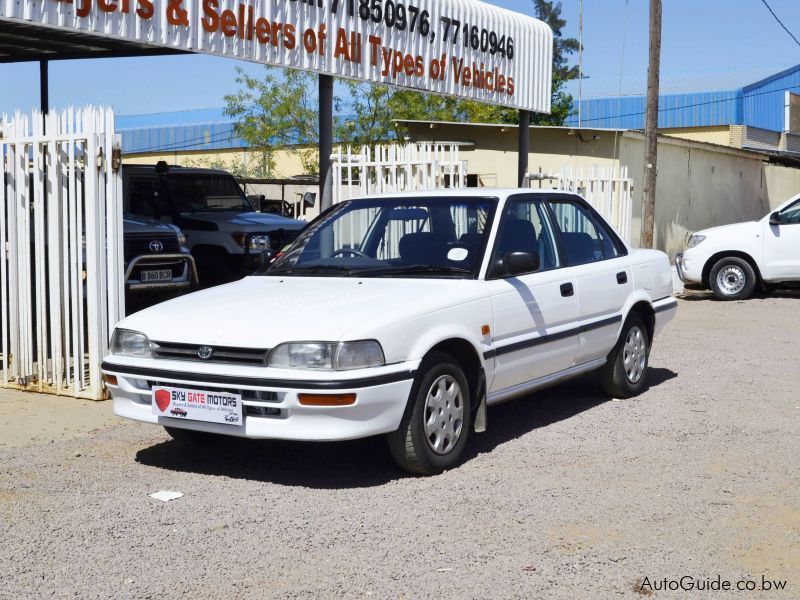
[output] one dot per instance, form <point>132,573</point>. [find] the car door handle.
<point>622,277</point>
<point>567,290</point>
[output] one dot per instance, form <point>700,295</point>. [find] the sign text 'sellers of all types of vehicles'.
<point>156,259</point>
<point>733,260</point>
<point>224,234</point>
<point>403,315</point>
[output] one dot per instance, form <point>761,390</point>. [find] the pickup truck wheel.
<point>436,425</point>
<point>625,371</point>
<point>189,437</point>
<point>732,278</point>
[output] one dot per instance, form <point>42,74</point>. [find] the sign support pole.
<point>524,147</point>
<point>44,87</point>
<point>325,141</point>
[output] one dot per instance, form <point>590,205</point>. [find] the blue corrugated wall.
<point>764,101</point>
<point>675,110</point>
<point>174,138</point>
<point>760,104</point>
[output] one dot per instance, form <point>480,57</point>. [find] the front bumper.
<point>690,268</point>
<point>271,406</point>
<point>181,264</point>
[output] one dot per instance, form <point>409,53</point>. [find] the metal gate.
<point>61,286</point>
<point>396,168</point>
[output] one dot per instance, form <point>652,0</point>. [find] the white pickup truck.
<point>403,315</point>
<point>735,260</point>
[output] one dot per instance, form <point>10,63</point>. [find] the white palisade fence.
<point>61,285</point>
<point>608,190</point>
<point>396,168</point>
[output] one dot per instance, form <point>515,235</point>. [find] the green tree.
<point>273,111</point>
<point>368,107</point>
<point>563,48</point>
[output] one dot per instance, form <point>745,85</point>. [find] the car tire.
<point>625,371</point>
<point>437,420</point>
<point>732,278</point>
<point>190,437</point>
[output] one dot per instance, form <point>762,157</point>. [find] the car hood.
<point>247,221</point>
<point>262,311</point>
<point>733,229</point>
<point>142,225</point>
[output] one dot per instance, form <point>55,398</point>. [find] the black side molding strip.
<point>553,337</point>
<point>200,378</point>
<point>669,306</point>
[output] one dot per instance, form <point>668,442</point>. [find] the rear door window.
<point>584,238</point>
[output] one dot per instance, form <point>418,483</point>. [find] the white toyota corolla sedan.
<point>405,315</point>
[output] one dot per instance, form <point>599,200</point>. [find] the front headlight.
<point>256,242</point>
<point>181,239</point>
<point>327,355</point>
<point>695,239</point>
<point>130,343</point>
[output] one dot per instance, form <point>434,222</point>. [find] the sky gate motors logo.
<point>197,405</point>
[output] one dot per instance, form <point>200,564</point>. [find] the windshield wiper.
<point>416,270</point>
<point>311,270</point>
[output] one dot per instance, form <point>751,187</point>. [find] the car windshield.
<point>207,192</point>
<point>392,237</point>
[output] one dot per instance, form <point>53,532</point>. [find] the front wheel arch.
<point>730,254</point>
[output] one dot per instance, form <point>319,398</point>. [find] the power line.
<point>786,29</point>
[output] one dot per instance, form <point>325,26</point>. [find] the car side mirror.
<point>515,262</point>
<point>519,261</point>
<point>775,218</point>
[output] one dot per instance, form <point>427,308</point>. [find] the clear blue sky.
<point>707,44</point>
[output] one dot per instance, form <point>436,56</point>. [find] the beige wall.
<point>287,162</point>
<point>782,183</point>
<point>698,187</point>
<point>711,135</point>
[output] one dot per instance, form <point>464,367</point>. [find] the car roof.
<point>176,169</point>
<point>481,192</point>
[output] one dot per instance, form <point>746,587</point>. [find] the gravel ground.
<point>568,495</point>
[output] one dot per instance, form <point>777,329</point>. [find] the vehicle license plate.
<point>160,275</point>
<point>197,405</point>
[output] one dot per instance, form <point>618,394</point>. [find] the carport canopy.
<point>22,42</point>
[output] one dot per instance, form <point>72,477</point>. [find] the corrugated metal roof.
<point>675,110</point>
<point>175,138</point>
<point>760,104</point>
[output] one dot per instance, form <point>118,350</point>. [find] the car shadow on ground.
<point>697,295</point>
<point>367,462</point>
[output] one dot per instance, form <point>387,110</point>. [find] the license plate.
<point>160,275</point>
<point>197,405</point>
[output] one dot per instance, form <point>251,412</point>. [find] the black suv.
<point>226,236</point>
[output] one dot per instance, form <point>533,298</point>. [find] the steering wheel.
<point>350,252</point>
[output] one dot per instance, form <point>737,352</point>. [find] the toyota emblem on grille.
<point>156,246</point>
<point>205,352</point>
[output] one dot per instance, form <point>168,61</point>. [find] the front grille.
<point>219,354</point>
<point>278,238</point>
<point>137,245</point>
<point>247,395</point>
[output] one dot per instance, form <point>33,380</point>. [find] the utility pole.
<point>580,60</point>
<point>651,127</point>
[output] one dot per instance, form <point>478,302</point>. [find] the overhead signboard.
<point>462,48</point>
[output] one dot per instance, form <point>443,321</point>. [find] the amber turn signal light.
<point>110,379</point>
<point>326,399</point>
